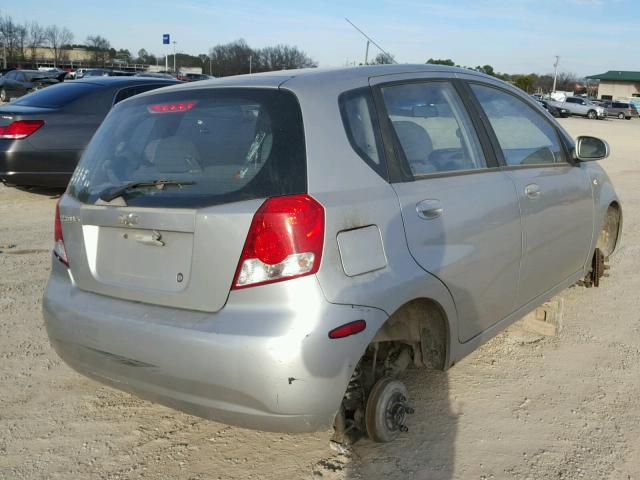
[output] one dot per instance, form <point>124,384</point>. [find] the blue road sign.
<point>165,39</point>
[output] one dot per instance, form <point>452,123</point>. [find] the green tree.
<point>525,82</point>
<point>439,61</point>
<point>384,59</point>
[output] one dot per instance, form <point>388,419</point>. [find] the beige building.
<point>44,54</point>
<point>618,85</point>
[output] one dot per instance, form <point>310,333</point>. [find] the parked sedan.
<point>43,134</point>
<point>105,72</point>
<point>229,249</point>
<point>154,75</point>
<point>196,77</point>
<point>20,82</point>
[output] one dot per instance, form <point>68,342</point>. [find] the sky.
<point>515,36</point>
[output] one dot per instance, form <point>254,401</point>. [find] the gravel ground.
<point>521,407</point>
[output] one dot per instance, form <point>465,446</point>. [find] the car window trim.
<point>382,169</point>
<point>494,138</point>
<point>398,167</point>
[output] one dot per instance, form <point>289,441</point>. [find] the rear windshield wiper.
<point>115,192</point>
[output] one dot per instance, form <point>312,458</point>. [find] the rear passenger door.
<point>460,212</point>
<point>554,193</point>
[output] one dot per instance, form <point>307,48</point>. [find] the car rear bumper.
<point>37,168</point>
<point>268,366</point>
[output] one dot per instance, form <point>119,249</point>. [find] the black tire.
<point>592,114</point>
<point>3,95</point>
<point>384,394</point>
<point>621,116</point>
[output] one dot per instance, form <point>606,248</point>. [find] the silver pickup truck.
<point>581,106</point>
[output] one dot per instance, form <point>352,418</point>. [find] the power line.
<point>371,40</point>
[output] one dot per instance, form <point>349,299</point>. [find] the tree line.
<point>20,43</point>
<point>531,82</point>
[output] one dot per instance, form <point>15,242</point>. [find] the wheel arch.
<point>610,228</point>
<point>422,323</point>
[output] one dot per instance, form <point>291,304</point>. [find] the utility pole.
<point>250,65</point>
<point>210,67</point>
<point>174,57</point>
<point>555,74</point>
<point>366,54</point>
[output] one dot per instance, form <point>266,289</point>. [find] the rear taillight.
<point>20,129</point>
<point>285,241</point>
<point>59,250</point>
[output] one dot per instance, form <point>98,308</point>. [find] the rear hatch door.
<point>223,151</point>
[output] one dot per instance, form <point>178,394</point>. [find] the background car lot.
<point>520,407</point>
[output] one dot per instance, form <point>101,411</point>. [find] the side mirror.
<point>591,148</point>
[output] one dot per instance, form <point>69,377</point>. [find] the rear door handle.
<point>429,209</point>
<point>532,190</point>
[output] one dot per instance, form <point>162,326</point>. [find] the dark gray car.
<point>273,250</point>
<point>16,83</point>
<point>43,134</point>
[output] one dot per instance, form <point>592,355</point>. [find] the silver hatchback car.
<point>272,250</point>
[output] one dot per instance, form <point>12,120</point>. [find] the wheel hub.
<point>396,412</point>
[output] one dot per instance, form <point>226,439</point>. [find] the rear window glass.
<point>214,146</point>
<point>56,95</point>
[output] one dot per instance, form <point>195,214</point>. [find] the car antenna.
<point>371,40</point>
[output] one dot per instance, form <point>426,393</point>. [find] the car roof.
<point>308,78</point>
<point>123,80</point>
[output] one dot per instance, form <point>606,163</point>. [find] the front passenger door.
<point>554,193</point>
<point>10,83</point>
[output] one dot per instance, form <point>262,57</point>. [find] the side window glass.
<point>10,75</point>
<point>433,128</point>
<point>526,138</point>
<point>131,91</point>
<point>359,118</point>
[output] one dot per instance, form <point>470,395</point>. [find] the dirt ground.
<point>521,407</point>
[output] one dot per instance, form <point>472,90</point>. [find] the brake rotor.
<point>387,410</point>
<point>597,267</point>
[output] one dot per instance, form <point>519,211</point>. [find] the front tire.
<point>592,114</point>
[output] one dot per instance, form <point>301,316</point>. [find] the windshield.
<point>223,145</point>
<point>56,95</point>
